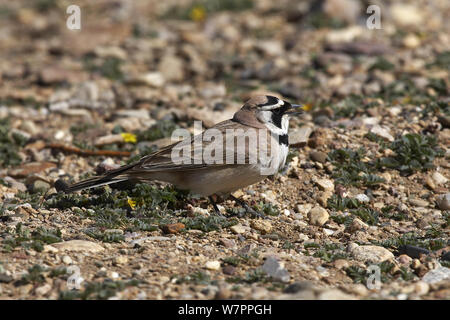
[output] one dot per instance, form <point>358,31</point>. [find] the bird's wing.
<point>240,151</point>
<point>223,148</point>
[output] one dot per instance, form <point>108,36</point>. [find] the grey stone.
<point>319,156</point>
<point>382,132</point>
<point>419,203</point>
<point>318,216</point>
<point>274,269</point>
<point>299,137</point>
<point>171,67</point>
<point>15,184</point>
<point>298,286</point>
<point>437,275</point>
<point>371,254</point>
<point>4,278</point>
<point>78,245</point>
<point>439,178</point>
<point>443,201</point>
<point>334,294</point>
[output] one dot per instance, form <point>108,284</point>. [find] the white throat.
<point>266,118</point>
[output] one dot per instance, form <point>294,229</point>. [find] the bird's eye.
<point>277,110</point>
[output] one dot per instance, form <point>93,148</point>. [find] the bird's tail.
<point>111,177</point>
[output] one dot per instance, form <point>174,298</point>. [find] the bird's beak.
<point>296,109</point>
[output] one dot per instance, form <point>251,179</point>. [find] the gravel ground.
<point>365,193</point>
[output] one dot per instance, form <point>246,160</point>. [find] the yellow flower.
<point>129,137</point>
<point>307,106</point>
<point>198,13</point>
<point>132,203</point>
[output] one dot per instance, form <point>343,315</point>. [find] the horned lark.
<point>226,157</point>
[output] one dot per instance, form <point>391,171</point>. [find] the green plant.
<point>389,213</point>
<point>248,258</point>
<point>198,277</point>
<point>45,5</point>
<point>350,169</point>
<point>442,61</point>
<point>234,261</point>
<point>413,152</point>
<point>162,129</point>
<point>109,68</point>
<point>348,107</point>
<point>208,224</point>
<point>440,86</point>
<point>143,151</point>
<point>9,145</point>
<point>36,239</point>
<point>287,245</point>
<point>341,219</point>
<point>357,274</point>
<point>267,208</point>
<point>138,207</point>
<point>360,275</point>
<point>382,64</point>
<point>98,290</point>
<point>436,108</point>
<point>355,208</point>
<point>412,239</point>
<point>339,203</point>
<point>34,275</point>
<point>330,252</point>
<point>320,20</point>
<point>378,139</point>
<point>253,276</point>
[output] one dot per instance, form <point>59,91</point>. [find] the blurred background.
<point>135,70</point>
<point>159,56</point>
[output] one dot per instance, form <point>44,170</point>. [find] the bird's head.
<point>267,111</point>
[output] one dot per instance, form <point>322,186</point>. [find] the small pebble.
<point>437,275</point>
<point>443,201</point>
<point>421,288</point>
<point>229,270</point>
<point>415,263</point>
<point>43,290</point>
<point>67,260</point>
<point>274,269</point>
<point>419,202</point>
<point>325,184</point>
<point>371,253</point>
<point>263,226</point>
<point>238,229</point>
<point>362,198</point>
<point>341,264</point>
<point>318,216</point>
<point>223,294</point>
<point>319,156</point>
<point>439,178</point>
<point>213,265</point>
<point>173,228</point>
<point>404,259</point>
<point>227,243</point>
<point>120,260</point>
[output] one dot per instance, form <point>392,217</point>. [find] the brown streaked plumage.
<point>265,115</point>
